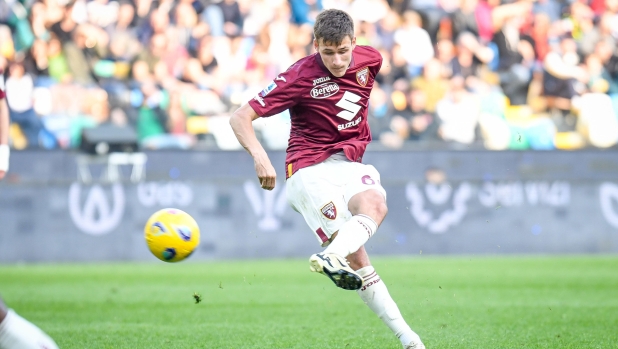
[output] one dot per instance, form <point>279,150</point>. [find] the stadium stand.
<point>457,73</point>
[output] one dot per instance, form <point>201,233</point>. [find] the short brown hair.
<point>333,26</point>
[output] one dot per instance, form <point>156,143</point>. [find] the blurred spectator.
<point>378,115</point>
<point>232,17</point>
<point>516,59</point>
<point>560,80</point>
<point>433,12</point>
<point>387,28</point>
<point>445,53</point>
<point>472,16</point>
<point>36,61</point>
<point>458,112</point>
<point>394,67</point>
<point>599,80</point>
<point>414,41</point>
<point>20,88</point>
<point>471,56</point>
<point>540,35</point>
<point>415,122</point>
<point>432,83</point>
<point>58,65</point>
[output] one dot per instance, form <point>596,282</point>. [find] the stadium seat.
<point>17,137</point>
<point>569,140</point>
<point>198,125</point>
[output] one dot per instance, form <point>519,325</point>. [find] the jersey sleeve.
<point>377,59</point>
<point>2,94</point>
<point>281,94</point>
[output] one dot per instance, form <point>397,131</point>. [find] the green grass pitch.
<point>452,302</point>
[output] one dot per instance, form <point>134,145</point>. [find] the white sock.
<point>377,298</point>
<point>352,235</point>
<point>18,333</point>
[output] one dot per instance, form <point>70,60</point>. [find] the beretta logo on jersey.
<point>329,210</point>
<point>324,90</point>
<point>362,76</point>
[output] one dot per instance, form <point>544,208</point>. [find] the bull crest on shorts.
<point>329,210</point>
<point>362,76</point>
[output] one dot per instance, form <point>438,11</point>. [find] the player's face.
<point>336,58</point>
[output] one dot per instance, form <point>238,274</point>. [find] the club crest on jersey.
<point>324,90</point>
<point>268,88</point>
<point>329,211</point>
<point>362,76</point>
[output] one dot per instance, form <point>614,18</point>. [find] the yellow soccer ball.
<point>171,234</point>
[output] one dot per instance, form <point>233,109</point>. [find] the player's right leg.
<point>317,192</point>
<point>18,333</point>
<point>375,294</point>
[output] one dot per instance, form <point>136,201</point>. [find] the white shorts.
<point>321,193</point>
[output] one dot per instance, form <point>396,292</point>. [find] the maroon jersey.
<point>2,94</point>
<point>329,114</point>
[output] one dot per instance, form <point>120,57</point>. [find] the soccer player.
<point>15,331</point>
<point>341,199</point>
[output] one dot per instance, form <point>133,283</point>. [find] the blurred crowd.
<point>457,73</point>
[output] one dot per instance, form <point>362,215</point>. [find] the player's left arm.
<point>281,94</point>
<point>4,136</point>
<point>241,122</point>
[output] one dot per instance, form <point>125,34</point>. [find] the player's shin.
<point>352,235</point>
<point>375,294</point>
<point>18,333</point>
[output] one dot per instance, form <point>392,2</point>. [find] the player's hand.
<point>2,173</point>
<point>266,173</point>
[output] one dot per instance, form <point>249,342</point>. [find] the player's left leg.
<point>375,294</point>
<point>368,210</point>
<point>18,333</point>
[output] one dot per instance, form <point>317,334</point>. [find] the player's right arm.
<point>281,94</point>
<point>4,136</point>
<point>241,122</point>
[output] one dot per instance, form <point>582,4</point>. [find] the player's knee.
<point>376,205</point>
<point>382,209</point>
<point>370,203</point>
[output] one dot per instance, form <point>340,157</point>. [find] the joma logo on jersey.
<point>324,90</point>
<point>329,210</point>
<point>321,80</point>
<point>349,124</point>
